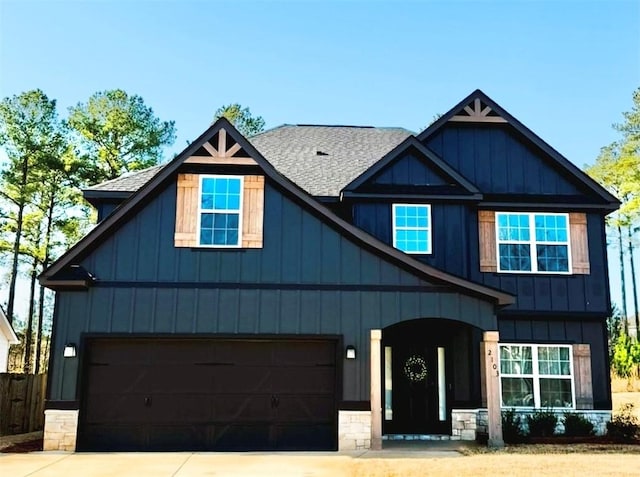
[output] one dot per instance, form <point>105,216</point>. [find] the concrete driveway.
<point>192,464</point>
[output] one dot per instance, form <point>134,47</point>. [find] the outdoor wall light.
<point>351,352</point>
<point>70,350</point>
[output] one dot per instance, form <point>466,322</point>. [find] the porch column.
<point>376,390</point>
<point>492,385</point>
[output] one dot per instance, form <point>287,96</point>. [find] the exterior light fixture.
<point>70,350</point>
<point>351,352</point>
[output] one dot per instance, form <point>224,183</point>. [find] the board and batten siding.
<point>456,235</point>
<point>498,161</point>
<point>307,279</point>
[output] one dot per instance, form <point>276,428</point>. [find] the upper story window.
<point>533,242</point>
<point>412,228</point>
<point>536,376</point>
<point>220,214</point>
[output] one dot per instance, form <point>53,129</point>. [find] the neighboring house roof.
<point>121,214</point>
<point>501,115</point>
<point>6,329</point>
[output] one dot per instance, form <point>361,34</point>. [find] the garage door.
<point>223,394</point>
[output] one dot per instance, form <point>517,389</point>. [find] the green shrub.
<point>577,425</point>
<point>512,432</point>
<point>624,424</point>
<point>542,423</point>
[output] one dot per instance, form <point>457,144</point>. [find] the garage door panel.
<point>116,408</point>
<point>308,409</point>
<point>113,437</point>
<point>304,353</point>
<point>209,394</point>
<point>243,379</point>
<point>234,437</point>
<point>242,408</point>
<point>310,380</point>
<point>121,352</point>
<point>304,437</point>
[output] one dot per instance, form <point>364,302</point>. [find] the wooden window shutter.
<point>253,212</point>
<point>187,210</point>
<point>582,376</point>
<point>579,243</point>
<point>487,240</point>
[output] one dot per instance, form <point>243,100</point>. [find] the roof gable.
<point>412,169</point>
<point>231,135</point>
<point>478,109</point>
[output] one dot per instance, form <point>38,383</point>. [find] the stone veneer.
<point>467,423</point>
<point>60,430</point>
<point>354,430</point>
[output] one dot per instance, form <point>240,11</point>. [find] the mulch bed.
<point>22,447</point>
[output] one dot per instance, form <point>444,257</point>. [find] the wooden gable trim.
<point>579,243</point>
<point>220,154</point>
<point>188,195</point>
<point>487,240</point>
<point>475,113</point>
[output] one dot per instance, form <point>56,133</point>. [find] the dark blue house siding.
<point>497,161</point>
<point>455,250</point>
<point>558,329</point>
<point>409,170</point>
<point>308,279</point>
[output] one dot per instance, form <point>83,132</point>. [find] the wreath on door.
<point>415,368</point>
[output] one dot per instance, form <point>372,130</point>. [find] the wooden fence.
<point>21,403</point>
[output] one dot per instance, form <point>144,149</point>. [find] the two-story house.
<point>325,287</point>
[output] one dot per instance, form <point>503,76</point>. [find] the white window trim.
<point>536,376</point>
<point>428,228</point>
<point>220,211</point>
<point>532,244</point>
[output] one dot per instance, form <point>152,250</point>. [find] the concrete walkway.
<point>201,464</point>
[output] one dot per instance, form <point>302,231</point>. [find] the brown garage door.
<point>196,394</point>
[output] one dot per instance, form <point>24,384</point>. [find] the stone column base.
<point>60,430</point>
<point>354,430</point>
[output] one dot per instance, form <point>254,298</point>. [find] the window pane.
<point>551,228</point>
<point>206,237</point>
<point>555,393</point>
<point>234,187</point>
<point>516,360</point>
<point>517,392</point>
<point>207,201</point>
<point>554,360</point>
<point>208,185</point>
<point>553,258</point>
<point>515,257</point>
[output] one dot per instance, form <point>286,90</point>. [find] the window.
<point>220,211</point>
<point>536,376</point>
<point>412,228</point>
<point>537,243</point>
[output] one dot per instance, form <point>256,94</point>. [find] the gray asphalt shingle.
<point>319,159</point>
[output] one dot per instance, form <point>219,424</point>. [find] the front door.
<point>415,387</point>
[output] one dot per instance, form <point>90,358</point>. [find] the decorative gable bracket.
<point>224,152</point>
<point>477,112</point>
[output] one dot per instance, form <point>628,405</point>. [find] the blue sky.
<point>566,69</point>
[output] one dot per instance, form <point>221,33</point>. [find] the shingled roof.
<point>129,182</point>
<point>322,160</point>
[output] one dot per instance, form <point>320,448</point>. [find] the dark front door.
<point>415,385</point>
<point>207,394</point>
